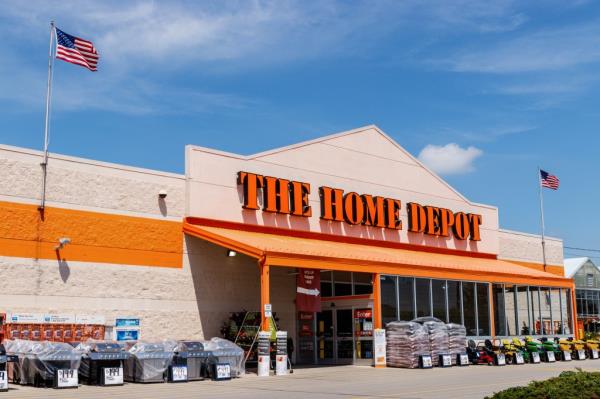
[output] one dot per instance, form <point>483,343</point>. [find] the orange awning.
<point>291,251</point>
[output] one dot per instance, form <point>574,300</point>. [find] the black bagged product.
<point>223,351</point>
<point>102,362</point>
<point>149,361</point>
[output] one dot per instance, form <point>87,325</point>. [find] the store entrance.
<point>344,336</point>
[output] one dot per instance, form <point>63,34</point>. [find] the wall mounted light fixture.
<point>62,242</point>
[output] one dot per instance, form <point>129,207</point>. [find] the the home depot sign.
<point>291,197</point>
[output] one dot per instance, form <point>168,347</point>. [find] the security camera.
<point>162,194</point>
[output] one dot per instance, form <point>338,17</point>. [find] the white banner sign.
<point>3,381</point>
<point>179,373</point>
<point>113,375</point>
<point>379,344</point>
<point>31,318</point>
<point>66,378</point>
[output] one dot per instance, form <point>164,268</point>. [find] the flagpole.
<point>539,177</point>
<point>44,163</point>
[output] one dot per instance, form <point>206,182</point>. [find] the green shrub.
<point>568,385</point>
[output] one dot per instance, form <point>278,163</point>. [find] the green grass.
<point>568,385</point>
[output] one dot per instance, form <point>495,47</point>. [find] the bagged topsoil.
<point>405,342</point>
<point>438,340</point>
<point>457,338</point>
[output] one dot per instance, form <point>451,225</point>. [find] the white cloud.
<point>544,50</point>
<point>449,159</point>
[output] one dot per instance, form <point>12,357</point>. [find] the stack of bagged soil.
<point>438,340</point>
<point>405,342</point>
<point>457,338</point>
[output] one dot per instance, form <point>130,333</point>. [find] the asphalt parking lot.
<point>332,382</point>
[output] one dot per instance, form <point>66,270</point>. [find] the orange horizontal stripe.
<point>553,269</point>
<point>95,237</point>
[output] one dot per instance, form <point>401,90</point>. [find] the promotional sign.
<point>566,356</point>
<point>179,373</point>
<point>19,318</point>
<point>445,361</point>
<point>425,362</point>
<point>3,381</point>
<point>66,378</point>
<point>268,310</point>
<point>127,329</point>
<point>519,358</point>
<point>308,296</point>
<point>463,359</point>
<point>594,354</point>
<point>581,354</point>
<point>379,346</point>
<point>550,357</point>
<point>264,353</point>
<point>113,375</point>
<point>281,357</point>
<point>127,322</point>
<point>59,318</point>
<point>500,359</point>
<point>127,335</point>
<point>90,319</point>
<point>535,357</point>
<point>222,371</point>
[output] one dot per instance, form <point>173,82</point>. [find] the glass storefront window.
<point>483,308</point>
<point>555,307</point>
<point>344,323</point>
<point>454,305</point>
<point>510,308</point>
<point>523,311</point>
<point>545,310</point>
<point>388,299</point>
<point>423,297</point>
<point>565,304</point>
<point>499,309</point>
<point>326,284</point>
<point>438,292</point>
<point>534,307</point>
<point>362,283</point>
<point>406,298</point>
<point>342,283</point>
<point>468,295</point>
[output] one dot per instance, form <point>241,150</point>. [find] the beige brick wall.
<point>528,248</point>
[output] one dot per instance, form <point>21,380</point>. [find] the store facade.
<point>383,238</point>
<point>586,275</point>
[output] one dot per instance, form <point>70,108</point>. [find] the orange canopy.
<point>289,251</point>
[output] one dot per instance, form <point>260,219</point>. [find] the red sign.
<point>306,316</point>
<point>363,314</point>
<point>308,295</point>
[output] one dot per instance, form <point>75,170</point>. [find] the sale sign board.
<point>308,295</point>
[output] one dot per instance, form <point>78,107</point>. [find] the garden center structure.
<point>382,236</point>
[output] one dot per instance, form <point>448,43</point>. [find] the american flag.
<point>76,51</point>
<point>549,181</point>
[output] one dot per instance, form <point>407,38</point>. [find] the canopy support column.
<point>264,293</point>
<point>377,300</point>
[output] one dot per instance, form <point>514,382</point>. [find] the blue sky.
<point>483,92</point>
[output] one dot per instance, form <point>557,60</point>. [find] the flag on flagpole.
<point>76,50</point>
<point>549,181</point>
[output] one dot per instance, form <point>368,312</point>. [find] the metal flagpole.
<point>44,164</point>
<point>542,215</point>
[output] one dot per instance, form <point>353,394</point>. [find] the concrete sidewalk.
<point>333,382</point>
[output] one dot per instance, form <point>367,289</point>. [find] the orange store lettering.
<point>292,197</point>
